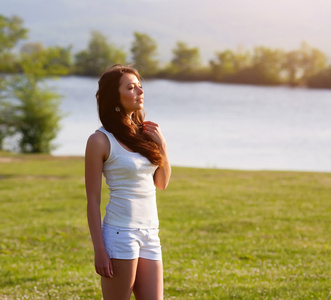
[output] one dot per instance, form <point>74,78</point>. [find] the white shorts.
<point>131,243</point>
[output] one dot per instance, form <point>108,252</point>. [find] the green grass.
<point>225,234</point>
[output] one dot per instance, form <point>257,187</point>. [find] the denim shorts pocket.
<point>109,235</point>
<point>127,241</point>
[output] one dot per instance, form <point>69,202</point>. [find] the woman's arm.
<point>96,152</point>
<point>162,174</point>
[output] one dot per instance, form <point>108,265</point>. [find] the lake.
<point>214,125</point>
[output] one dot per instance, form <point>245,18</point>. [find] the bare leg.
<point>149,280</point>
<point>121,285</point>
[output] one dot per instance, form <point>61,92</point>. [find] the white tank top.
<point>129,177</point>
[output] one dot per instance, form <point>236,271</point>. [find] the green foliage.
<point>263,66</point>
<point>267,65</point>
<point>302,64</point>
<point>314,61</point>
<point>8,63</point>
<point>144,50</point>
<point>99,56</point>
<point>40,63</point>
<point>11,31</point>
<point>185,60</point>
<point>36,115</point>
<point>62,59</point>
<point>225,234</point>
<point>6,113</point>
<point>53,60</point>
<point>227,64</point>
<point>30,109</point>
<point>35,112</point>
<point>293,67</point>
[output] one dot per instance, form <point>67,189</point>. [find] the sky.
<point>210,25</point>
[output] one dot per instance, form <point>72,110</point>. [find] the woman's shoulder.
<point>98,142</point>
<point>97,137</point>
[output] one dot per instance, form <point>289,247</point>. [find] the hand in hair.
<point>153,131</point>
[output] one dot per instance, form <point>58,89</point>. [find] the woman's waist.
<point>106,225</point>
<point>140,194</point>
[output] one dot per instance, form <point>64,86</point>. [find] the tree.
<point>99,55</point>
<point>314,61</point>
<point>54,60</point>
<point>227,64</point>
<point>11,31</point>
<point>293,67</point>
<point>267,65</point>
<point>304,63</point>
<point>6,114</point>
<point>35,109</point>
<point>36,117</point>
<point>62,58</point>
<point>28,108</point>
<point>185,60</point>
<point>144,51</point>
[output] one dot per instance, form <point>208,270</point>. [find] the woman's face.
<point>131,93</point>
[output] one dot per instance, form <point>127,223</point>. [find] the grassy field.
<point>225,234</point>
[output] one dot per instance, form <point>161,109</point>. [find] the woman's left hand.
<point>153,131</point>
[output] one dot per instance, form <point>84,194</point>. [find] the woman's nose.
<point>140,90</point>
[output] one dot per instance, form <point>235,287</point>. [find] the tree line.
<point>29,109</point>
<point>305,66</point>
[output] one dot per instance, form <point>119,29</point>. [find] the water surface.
<point>217,125</point>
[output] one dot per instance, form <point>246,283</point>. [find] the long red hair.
<point>127,130</point>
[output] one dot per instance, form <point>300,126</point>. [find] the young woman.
<point>132,155</point>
